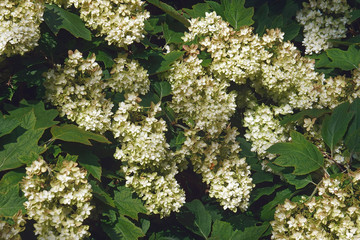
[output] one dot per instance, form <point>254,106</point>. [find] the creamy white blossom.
<point>19,26</point>
<point>322,21</point>
<point>58,199</point>
<point>78,92</point>
<point>333,214</point>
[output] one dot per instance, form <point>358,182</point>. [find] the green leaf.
<point>298,181</point>
<point>26,143</point>
<point>7,125</point>
<point>71,133</point>
<point>236,14</point>
<point>33,115</point>
<point>355,14</point>
<point>100,194</point>
<point>219,9</point>
<point>345,60</point>
<point>313,113</point>
<point>257,193</point>
<point>163,89</point>
<point>260,177</point>
<point>300,154</point>
<point>160,62</point>
<point>128,205</point>
<point>170,11</point>
<point>334,127</point>
<point>198,10</point>
<point>196,218</point>
<point>170,35</point>
<point>352,137</point>
<point>10,199</point>
<point>90,162</point>
<point>57,18</point>
<point>222,231</point>
<point>102,56</point>
<point>123,229</point>
<point>253,233</point>
<point>268,210</point>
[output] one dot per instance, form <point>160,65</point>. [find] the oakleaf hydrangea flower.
<point>19,26</point>
<point>322,21</point>
<point>333,214</point>
<point>11,231</point>
<point>58,199</point>
<point>149,164</point>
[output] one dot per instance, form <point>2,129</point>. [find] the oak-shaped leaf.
<point>72,133</point>
<point>127,204</point>
<point>57,18</point>
<point>300,154</point>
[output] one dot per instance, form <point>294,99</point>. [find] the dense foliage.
<point>131,119</point>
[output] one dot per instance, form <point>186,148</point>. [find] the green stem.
<point>171,11</point>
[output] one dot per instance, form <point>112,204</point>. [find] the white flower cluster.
<point>150,167</point>
<point>121,21</point>
<point>77,88</point>
<point>264,129</point>
<point>218,162</point>
<point>128,76</point>
<point>236,55</point>
<point>57,199</point>
<point>333,214</point>
<point>287,77</point>
<point>19,26</point>
<point>199,97</point>
<point>323,20</point>
<point>11,231</point>
<point>272,69</point>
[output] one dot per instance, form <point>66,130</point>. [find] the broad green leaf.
<point>160,62</point>
<point>196,218</point>
<point>236,14</point>
<point>314,113</point>
<point>198,10</point>
<point>57,18</point>
<point>104,57</point>
<point>10,199</point>
<point>300,154</point>
<point>10,157</point>
<point>163,89</point>
<point>219,9</point>
<point>149,98</point>
<point>355,14</point>
<point>352,137</point>
<point>170,11</point>
<point>298,181</point>
<point>268,210</point>
<point>253,233</point>
<point>153,24</point>
<point>291,30</point>
<point>170,35</point>
<point>71,133</point>
<point>11,203</point>
<point>33,115</point>
<point>123,229</point>
<point>260,177</point>
<point>286,173</point>
<point>7,125</point>
<point>222,231</point>
<point>128,205</point>
<point>334,127</point>
<point>90,162</point>
<point>257,193</point>
<point>345,60</point>
<point>100,194</point>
